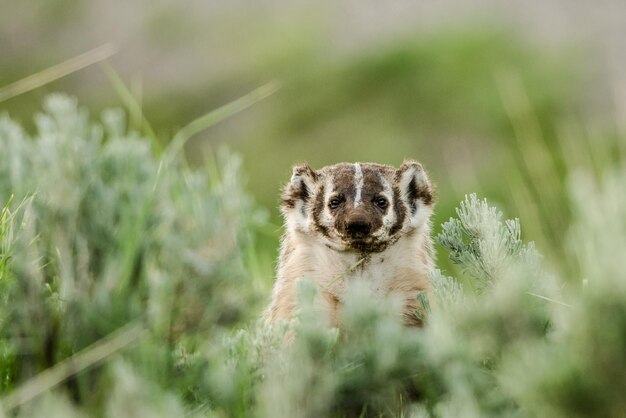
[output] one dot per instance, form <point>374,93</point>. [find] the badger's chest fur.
<point>354,222</point>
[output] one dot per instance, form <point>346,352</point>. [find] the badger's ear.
<point>300,187</point>
<point>414,186</point>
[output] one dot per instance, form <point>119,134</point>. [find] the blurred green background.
<point>490,97</point>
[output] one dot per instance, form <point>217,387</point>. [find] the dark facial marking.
<point>343,181</point>
<point>400,212</point>
<point>412,195</point>
<point>318,208</point>
<point>372,186</point>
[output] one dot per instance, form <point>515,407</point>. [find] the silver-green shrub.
<point>105,233</point>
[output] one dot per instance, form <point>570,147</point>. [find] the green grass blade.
<point>55,72</point>
<point>133,105</point>
<point>221,113</point>
<point>80,361</point>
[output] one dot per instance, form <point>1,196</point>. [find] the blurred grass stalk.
<point>132,100</point>
<point>139,122</point>
<point>539,168</point>
<point>131,97</point>
<point>215,116</point>
<point>55,72</point>
<point>535,160</point>
<point>88,357</point>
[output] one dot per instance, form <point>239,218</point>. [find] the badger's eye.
<point>334,203</point>
<point>381,202</point>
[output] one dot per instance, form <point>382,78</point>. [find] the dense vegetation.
<point>129,288</point>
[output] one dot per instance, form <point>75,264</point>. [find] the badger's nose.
<point>359,228</point>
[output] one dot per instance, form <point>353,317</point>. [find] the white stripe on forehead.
<point>358,183</point>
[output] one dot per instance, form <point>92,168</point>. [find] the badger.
<point>349,222</point>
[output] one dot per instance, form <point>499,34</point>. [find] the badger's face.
<point>362,207</point>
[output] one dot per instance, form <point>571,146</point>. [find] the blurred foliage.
<point>95,219</point>
<point>124,292</point>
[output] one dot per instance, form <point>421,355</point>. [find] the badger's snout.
<point>359,229</point>
<point>358,226</point>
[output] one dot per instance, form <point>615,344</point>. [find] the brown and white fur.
<point>355,222</point>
